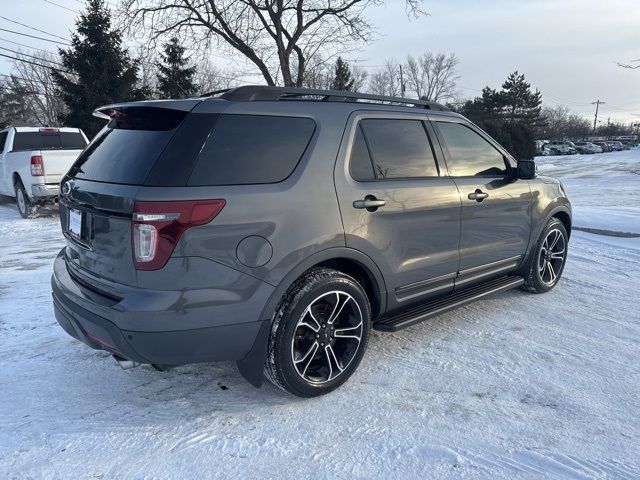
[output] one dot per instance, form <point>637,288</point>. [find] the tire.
<point>548,258</point>
<point>319,334</point>
<point>25,207</point>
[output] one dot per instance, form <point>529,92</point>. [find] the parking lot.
<point>514,385</point>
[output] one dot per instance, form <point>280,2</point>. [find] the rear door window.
<point>251,149</point>
<point>128,147</point>
<point>399,148</point>
<point>470,154</point>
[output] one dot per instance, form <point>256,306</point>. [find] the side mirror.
<point>526,169</point>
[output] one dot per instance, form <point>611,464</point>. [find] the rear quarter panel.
<point>292,219</point>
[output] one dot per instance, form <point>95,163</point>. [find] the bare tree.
<point>319,74</point>
<point>433,77</point>
<point>360,78</point>
<point>560,122</point>
<point>386,81</point>
<point>32,80</point>
<point>147,69</point>
<point>210,78</point>
<point>277,36</point>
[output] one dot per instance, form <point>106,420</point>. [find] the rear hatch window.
<point>128,147</point>
<point>45,140</point>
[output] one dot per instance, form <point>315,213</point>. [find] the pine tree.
<point>175,79</point>
<point>519,102</point>
<point>342,76</point>
<point>102,71</point>
<point>513,115</point>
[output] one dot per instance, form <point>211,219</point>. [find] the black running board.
<point>406,318</point>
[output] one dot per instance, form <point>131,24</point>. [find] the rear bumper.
<point>98,322</point>
<point>43,190</point>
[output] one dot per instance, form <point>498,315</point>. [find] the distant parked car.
<point>605,146</point>
<point>562,147</point>
<point>587,147</point>
<point>617,146</point>
<point>33,161</point>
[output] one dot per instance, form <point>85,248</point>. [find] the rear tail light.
<point>157,227</point>
<point>37,168</point>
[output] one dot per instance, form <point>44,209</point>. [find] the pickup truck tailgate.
<point>57,163</point>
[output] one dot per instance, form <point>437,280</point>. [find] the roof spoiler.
<point>108,112</point>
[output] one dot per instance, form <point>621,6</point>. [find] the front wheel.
<point>319,334</point>
<point>548,258</point>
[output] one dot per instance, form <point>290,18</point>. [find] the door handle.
<point>370,203</point>
<point>478,195</point>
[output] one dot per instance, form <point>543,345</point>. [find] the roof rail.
<point>252,93</point>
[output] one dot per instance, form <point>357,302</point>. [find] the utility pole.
<point>595,120</point>
<point>401,82</point>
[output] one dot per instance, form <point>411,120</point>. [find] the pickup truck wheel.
<point>25,207</point>
<point>547,259</point>
<point>319,334</point>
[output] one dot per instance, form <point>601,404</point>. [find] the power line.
<point>32,28</point>
<point>14,76</point>
<point>34,63</point>
<point>34,36</point>
<point>32,56</point>
<point>61,6</point>
<point>27,46</point>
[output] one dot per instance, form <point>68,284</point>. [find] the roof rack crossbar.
<point>253,93</point>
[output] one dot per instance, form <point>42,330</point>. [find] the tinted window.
<point>399,148</point>
<point>48,141</point>
<point>72,140</point>
<point>469,153</point>
<point>247,149</point>
<point>360,165</point>
<point>3,139</point>
<point>126,149</point>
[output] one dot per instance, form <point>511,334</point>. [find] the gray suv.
<point>277,226</point>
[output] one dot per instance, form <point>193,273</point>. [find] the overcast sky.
<point>565,48</point>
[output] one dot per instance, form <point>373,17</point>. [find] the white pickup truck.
<point>33,160</point>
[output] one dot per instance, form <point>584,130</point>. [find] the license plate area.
<point>78,227</point>
<point>75,223</point>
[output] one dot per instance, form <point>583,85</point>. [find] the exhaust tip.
<point>124,363</point>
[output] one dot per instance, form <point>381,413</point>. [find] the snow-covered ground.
<point>518,385</point>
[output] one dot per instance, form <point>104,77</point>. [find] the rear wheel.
<point>548,259</point>
<point>320,333</point>
<point>25,207</point>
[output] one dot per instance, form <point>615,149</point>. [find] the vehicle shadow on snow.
<point>218,388</point>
